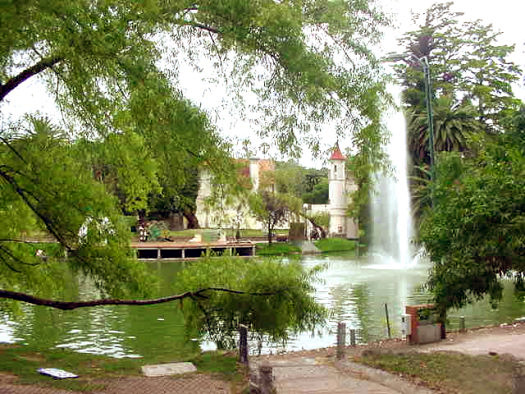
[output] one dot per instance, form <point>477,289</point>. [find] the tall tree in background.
<point>470,74</point>
<point>101,61</point>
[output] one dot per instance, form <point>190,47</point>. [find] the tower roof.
<point>336,154</point>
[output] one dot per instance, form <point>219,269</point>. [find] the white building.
<point>236,213</point>
<point>340,187</point>
<point>231,212</point>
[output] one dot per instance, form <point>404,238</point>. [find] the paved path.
<point>308,247</point>
<point>320,375</point>
<point>508,339</point>
<point>191,384</point>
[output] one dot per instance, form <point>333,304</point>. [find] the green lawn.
<point>335,245</point>
<point>277,249</point>
<point>448,372</point>
<point>24,361</point>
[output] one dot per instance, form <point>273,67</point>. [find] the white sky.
<point>505,15</point>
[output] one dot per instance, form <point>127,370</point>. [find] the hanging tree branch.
<point>69,305</point>
<point>37,68</point>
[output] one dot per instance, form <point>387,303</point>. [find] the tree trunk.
<point>193,222</point>
<point>317,227</point>
<point>269,232</point>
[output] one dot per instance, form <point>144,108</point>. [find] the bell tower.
<point>337,194</point>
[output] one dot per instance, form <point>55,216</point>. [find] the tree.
<point>277,302</point>
<point>269,208</point>
<point>101,61</point>
<point>319,193</point>
<point>470,74</point>
<point>475,233</point>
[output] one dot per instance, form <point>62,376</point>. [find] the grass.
<point>277,249</point>
<point>447,371</point>
<point>24,361</point>
<point>327,245</point>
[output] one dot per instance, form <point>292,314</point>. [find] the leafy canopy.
<point>476,232</point>
<point>112,68</point>
<point>290,309</point>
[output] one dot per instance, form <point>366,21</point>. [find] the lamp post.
<point>428,96</point>
<point>428,100</point>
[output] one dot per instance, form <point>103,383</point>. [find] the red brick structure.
<point>415,324</point>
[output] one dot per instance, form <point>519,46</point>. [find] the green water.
<point>355,291</point>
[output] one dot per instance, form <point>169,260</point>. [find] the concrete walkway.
<point>308,247</point>
<point>321,375</point>
<point>504,339</point>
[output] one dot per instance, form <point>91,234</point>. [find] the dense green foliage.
<point>291,309</point>
<point>471,80</point>
<point>112,68</point>
<point>53,192</point>
<point>476,231</point>
<point>308,184</point>
<point>473,230</point>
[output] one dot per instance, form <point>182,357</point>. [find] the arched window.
<point>335,170</point>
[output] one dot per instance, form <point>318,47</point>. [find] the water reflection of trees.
<point>113,330</point>
<point>351,304</point>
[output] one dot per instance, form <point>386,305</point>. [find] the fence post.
<point>387,322</point>
<point>243,344</point>
<point>341,339</point>
<point>265,379</point>
<point>462,323</point>
<point>352,337</point>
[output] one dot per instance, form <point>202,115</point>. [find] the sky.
<point>505,15</point>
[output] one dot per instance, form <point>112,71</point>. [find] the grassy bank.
<point>23,362</point>
<point>277,249</point>
<point>328,245</point>
<point>448,372</point>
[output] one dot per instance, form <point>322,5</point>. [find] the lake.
<point>354,289</point>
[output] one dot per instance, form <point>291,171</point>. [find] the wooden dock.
<point>148,251</point>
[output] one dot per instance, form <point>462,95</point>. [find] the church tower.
<point>337,194</point>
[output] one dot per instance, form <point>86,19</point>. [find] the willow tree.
<point>110,67</point>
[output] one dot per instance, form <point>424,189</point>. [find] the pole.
<point>341,339</point>
<point>430,115</point>
<point>387,322</point>
<point>243,344</point>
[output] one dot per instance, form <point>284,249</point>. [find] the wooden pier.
<point>148,251</point>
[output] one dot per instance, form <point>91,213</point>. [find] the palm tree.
<point>453,124</point>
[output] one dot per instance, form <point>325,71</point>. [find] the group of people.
<point>143,232</point>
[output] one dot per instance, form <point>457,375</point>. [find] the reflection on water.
<point>354,290</point>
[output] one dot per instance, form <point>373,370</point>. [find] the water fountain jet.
<point>390,201</point>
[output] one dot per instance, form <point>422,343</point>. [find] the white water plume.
<point>390,206</point>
